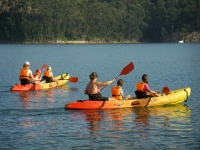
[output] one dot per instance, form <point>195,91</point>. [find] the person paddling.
<point>143,90</point>
<point>25,75</point>
<point>48,75</point>
<point>92,88</point>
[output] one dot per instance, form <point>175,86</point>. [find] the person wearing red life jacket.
<point>37,75</point>
<point>117,91</point>
<point>143,90</point>
<point>48,75</point>
<point>92,88</point>
<point>25,75</point>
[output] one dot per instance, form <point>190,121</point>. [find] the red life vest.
<point>24,74</point>
<point>36,76</point>
<point>140,86</point>
<point>116,92</point>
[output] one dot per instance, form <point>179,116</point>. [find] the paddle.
<point>73,79</point>
<point>44,66</point>
<point>126,70</point>
<point>166,90</point>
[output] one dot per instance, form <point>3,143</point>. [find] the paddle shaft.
<point>126,70</point>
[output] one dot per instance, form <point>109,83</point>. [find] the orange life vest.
<point>24,74</point>
<point>116,92</point>
<point>47,73</point>
<point>140,86</point>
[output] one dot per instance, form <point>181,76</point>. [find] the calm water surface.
<point>38,120</point>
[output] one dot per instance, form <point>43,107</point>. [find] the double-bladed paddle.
<point>73,79</point>
<point>126,70</point>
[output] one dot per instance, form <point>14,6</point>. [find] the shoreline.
<point>69,42</point>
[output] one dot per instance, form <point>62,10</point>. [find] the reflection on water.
<point>140,116</point>
<point>38,120</point>
<point>118,125</point>
<point>41,98</point>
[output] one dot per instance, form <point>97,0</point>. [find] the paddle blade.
<point>44,66</point>
<point>127,69</point>
<point>166,90</point>
<point>73,79</point>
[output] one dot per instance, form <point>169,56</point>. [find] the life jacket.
<point>24,74</point>
<point>47,73</point>
<point>116,92</point>
<point>140,93</point>
<point>36,76</point>
<point>140,86</point>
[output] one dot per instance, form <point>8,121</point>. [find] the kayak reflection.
<point>166,114</point>
<point>41,99</point>
<point>136,118</point>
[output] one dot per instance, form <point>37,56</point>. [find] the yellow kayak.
<point>61,80</point>
<point>173,97</point>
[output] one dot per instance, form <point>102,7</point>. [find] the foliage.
<point>96,20</point>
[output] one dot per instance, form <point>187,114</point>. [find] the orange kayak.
<point>174,97</point>
<point>61,80</point>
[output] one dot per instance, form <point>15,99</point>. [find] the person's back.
<point>48,75</point>
<point>25,74</point>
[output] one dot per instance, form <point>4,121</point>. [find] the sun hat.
<point>27,63</point>
<point>49,68</point>
<point>38,71</point>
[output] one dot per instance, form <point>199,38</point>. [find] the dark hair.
<point>93,75</point>
<point>120,82</point>
<point>145,78</point>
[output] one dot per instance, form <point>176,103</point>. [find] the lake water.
<point>38,120</point>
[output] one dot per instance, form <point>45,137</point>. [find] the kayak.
<point>174,97</point>
<point>61,80</point>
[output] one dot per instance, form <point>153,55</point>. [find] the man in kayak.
<point>143,90</point>
<point>25,75</point>
<point>92,88</point>
<point>48,75</point>
<point>117,91</point>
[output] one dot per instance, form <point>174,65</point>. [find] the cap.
<point>27,63</point>
<point>48,68</point>
<point>38,71</point>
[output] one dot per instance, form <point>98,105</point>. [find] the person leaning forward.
<point>92,88</point>
<point>143,90</point>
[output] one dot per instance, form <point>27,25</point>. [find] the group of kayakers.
<point>93,89</point>
<point>26,76</point>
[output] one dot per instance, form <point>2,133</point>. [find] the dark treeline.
<point>97,20</point>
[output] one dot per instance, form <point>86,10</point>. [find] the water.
<point>38,120</point>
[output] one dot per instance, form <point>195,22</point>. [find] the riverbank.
<point>193,37</point>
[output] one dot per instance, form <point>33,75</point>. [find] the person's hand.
<point>113,79</point>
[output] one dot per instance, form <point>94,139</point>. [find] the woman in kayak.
<point>143,90</point>
<point>25,75</point>
<point>92,88</point>
<point>117,91</point>
<point>48,75</point>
